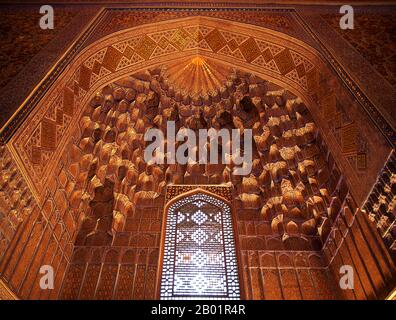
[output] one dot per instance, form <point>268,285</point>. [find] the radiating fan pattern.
<point>197,76</point>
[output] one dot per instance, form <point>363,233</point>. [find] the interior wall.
<point>269,267</point>
<point>338,116</point>
<point>355,242</point>
<point>381,205</point>
<point>47,234</point>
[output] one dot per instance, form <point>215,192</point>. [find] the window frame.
<point>234,225</point>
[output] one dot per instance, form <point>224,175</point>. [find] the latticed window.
<point>199,259</point>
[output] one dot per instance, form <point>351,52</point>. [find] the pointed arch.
<point>198,250</point>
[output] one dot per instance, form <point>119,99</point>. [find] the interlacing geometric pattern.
<point>199,251</point>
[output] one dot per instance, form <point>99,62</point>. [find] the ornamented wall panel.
<point>199,256</point>
<point>16,23</point>
<point>121,273</point>
<point>381,205</point>
<point>372,37</point>
<point>287,275</point>
<point>16,200</point>
<point>43,235</point>
<point>354,242</point>
<point>294,182</point>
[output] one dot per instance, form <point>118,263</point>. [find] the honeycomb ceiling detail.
<point>291,185</point>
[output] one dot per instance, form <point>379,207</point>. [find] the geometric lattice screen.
<point>199,259</point>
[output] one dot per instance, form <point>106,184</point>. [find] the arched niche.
<point>198,251</point>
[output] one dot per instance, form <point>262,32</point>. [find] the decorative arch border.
<point>33,145</point>
<point>201,189</point>
<point>65,100</point>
